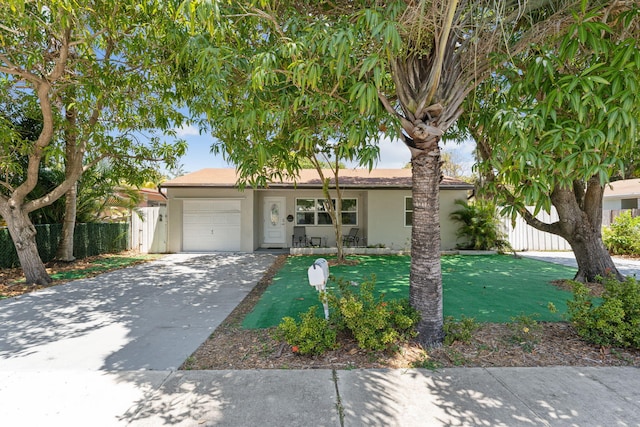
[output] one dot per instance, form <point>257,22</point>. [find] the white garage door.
<point>211,225</point>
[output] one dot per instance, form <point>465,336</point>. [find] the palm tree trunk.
<point>425,292</point>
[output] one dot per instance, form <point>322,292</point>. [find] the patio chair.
<point>352,238</point>
<point>299,238</point>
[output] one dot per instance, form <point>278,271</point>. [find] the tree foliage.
<point>277,79</point>
<point>559,122</point>
<point>96,75</point>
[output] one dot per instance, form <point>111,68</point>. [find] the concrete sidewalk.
<point>560,396</point>
<point>104,352</point>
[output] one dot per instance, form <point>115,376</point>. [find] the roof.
<point>308,178</point>
<point>626,188</point>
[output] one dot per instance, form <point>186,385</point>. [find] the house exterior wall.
<point>325,232</point>
<point>611,204</point>
<point>380,216</point>
<point>175,197</point>
<point>386,218</point>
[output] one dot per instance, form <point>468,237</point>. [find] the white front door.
<point>273,214</point>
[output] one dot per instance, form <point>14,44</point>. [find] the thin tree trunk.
<point>65,247</point>
<point>23,234</point>
<point>425,292</point>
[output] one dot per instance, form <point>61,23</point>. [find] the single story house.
<point>623,194</point>
<point>207,212</point>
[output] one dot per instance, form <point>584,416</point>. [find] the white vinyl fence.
<point>523,237</point>
<point>149,233</point>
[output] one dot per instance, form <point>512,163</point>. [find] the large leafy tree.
<point>96,72</point>
<point>559,123</point>
<point>360,68</point>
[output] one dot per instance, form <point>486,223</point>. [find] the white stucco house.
<point>622,194</point>
<point>207,212</point>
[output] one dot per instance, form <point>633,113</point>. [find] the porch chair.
<point>352,238</point>
<point>299,238</point>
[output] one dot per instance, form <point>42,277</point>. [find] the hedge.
<point>89,239</point>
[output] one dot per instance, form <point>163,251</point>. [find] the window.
<point>629,204</point>
<point>408,211</point>
<point>315,212</point>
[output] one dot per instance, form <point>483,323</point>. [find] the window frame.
<point>406,211</point>
<point>318,210</point>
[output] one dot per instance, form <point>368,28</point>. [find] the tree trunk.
<point>592,257</point>
<point>23,234</point>
<point>425,292</point>
<point>65,247</point>
<point>73,158</point>
<point>580,223</point>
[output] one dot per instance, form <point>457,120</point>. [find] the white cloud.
<point>187,131</point>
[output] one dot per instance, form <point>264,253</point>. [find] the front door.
<point>273,213</point>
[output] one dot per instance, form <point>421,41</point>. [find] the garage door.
<point>211,225</point>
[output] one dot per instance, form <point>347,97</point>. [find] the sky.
<point>393,153</point>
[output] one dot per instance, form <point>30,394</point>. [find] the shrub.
<point>480,226</point>
<point>525,332</point>
<point>461,331</point>
<point>312,335</point>
<point>616,321</point>
<point>622,237</point>
<point>374,323</point>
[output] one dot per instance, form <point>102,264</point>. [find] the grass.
<point>493,288</point>
<point>79,269</point>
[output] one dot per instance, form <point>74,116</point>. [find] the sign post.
<point>318,275</point>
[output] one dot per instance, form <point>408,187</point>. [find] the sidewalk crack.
<point>339,406</point>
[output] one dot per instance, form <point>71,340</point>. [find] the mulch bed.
<point>492,345</point>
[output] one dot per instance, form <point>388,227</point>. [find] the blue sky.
<point>393,154</point>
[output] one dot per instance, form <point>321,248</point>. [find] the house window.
<point>629,204</point>
<point>315,212</point>
<point>408,211</point>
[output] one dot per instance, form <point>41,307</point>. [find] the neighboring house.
<point>619,196</point>
<point>207,212</point>
<point>622,194</point>
<point>151,198</point>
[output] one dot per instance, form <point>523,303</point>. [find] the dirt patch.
<point>494,344</point>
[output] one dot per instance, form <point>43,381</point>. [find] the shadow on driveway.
<point>150,316</point>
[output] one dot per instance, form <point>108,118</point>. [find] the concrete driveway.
<point>151,316</point>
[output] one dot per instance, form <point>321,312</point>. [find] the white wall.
<point>386,218</point>
<point>174,201</point>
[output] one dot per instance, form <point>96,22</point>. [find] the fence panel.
<point>609,215</point>
<point>89,240</point>
<point>149,233</point>
<point>523,237</point>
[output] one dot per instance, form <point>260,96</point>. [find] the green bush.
<point>525,332</point>
<point>374,323</point>
<point>480,226</point>
<point>312,335</point>
<point>616,321</point>
<point>622,237</point>
<point>461,331</point>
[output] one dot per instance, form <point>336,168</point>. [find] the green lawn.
<point>492,288</point>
